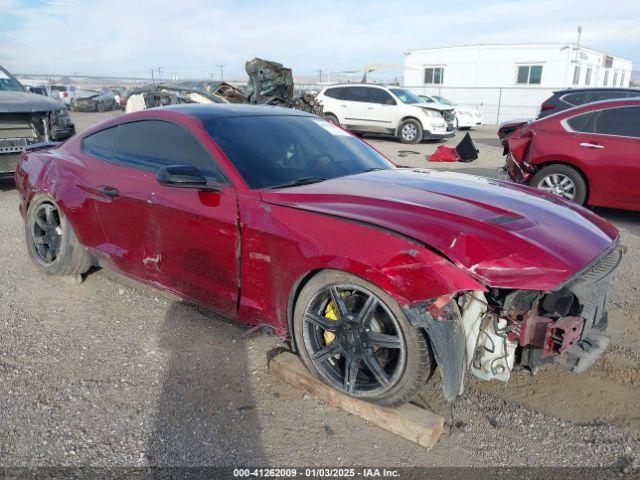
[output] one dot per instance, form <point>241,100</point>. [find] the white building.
<point>507,81</point>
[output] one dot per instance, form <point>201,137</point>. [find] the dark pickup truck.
<point>26,119</point>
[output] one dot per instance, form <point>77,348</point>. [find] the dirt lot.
<point>112,373</point>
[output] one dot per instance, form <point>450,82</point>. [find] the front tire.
<point>355,337</point>
<point>51,242</point>
<point>410,131</point>
<point>562,180</point>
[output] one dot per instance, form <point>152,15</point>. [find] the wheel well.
<point>570,165</point>
<point>293,297</point>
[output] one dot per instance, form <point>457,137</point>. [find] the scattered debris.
<point>465,151</point>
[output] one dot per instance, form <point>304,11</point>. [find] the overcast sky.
<point>188,38</point>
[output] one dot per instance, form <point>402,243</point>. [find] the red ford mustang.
<point>279,218</point>
<point>589,154</point>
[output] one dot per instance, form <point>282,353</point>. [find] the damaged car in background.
<point>88,100</point>
<point>375,274</point>
<point>175,93</point>
<point>270,83</point>
<point>27,119</point>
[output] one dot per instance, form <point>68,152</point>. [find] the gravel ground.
<point>113,373</point>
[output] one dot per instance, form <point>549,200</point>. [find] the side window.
<point>582,123</point>
<point>100,144</point>
<point>334,92</point>
<point>622,121</point>
<point>355,94</point>
<point>151,144</point>
<point>377,95</point>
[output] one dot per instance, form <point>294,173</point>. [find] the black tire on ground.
<point>410,131</point>
<point>413,364</point>
<point>100,107</point>
<point>330,117</point>
<point>555,173</point>
<point>71,257</point>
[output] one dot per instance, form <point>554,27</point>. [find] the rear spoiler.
<point>42,146</point>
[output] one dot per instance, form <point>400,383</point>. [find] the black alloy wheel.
<point>354,340</point>
<point>46,231</point>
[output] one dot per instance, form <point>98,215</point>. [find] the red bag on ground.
<point>445,154</point>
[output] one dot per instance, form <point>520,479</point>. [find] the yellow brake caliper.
<point>331,312</point>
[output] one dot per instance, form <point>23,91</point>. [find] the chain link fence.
<point>496,104</point>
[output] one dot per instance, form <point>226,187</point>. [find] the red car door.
<point>612,153</point>
<point>123,210</point>
<point>189,236</point>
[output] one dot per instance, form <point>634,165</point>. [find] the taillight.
<point>65,94</point>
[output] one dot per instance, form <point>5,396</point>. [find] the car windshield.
<point>406,96</point>
<point>9,84</point>
<point>443,100</point>
<point>271,151</point>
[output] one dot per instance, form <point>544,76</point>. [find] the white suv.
<point>394,110</point>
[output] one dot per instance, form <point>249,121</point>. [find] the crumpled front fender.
<point>447,338</point>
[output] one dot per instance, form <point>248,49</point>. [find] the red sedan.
<point>589,154</point>
<point>279,218</point>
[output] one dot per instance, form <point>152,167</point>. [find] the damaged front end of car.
<point>487,333</point>
<point>20,130</point>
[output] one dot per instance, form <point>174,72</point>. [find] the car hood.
<point>434,106</point>
<point>504,235</point>
<point>23,102</point>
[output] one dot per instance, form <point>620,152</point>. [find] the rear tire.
<point>410,131</point>
<point>400,365</point>
<point>51,242</point>
<point>562,180</point>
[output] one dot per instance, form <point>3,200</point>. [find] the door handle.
<point>344,105</point>
<point>591,145</point>
<point>369,108</point>
<point>108,191</point>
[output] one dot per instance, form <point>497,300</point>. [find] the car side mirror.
<point>182,176</point>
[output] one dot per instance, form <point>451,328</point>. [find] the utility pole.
<point>578,42</point>
<point>221,67</point>
<point>152,81</point>
<point>320,75</point>
<point>159,74</point>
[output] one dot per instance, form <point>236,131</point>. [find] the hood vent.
<point>503,219</point>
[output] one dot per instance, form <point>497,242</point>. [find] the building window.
<point>576,75</point>
<point>606,78</point>
<point>615,78</point>
<point>529,74</point>
<point>434,75</point>
<point>587,77</point>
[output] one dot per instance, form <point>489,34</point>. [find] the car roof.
<point>205,112</point>
<point>360,85</point>
<point>587,107</point>
<point>595,89</point>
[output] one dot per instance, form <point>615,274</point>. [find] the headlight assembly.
<point>432,113</point>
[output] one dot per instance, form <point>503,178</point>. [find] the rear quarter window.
<point>100,144</point>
